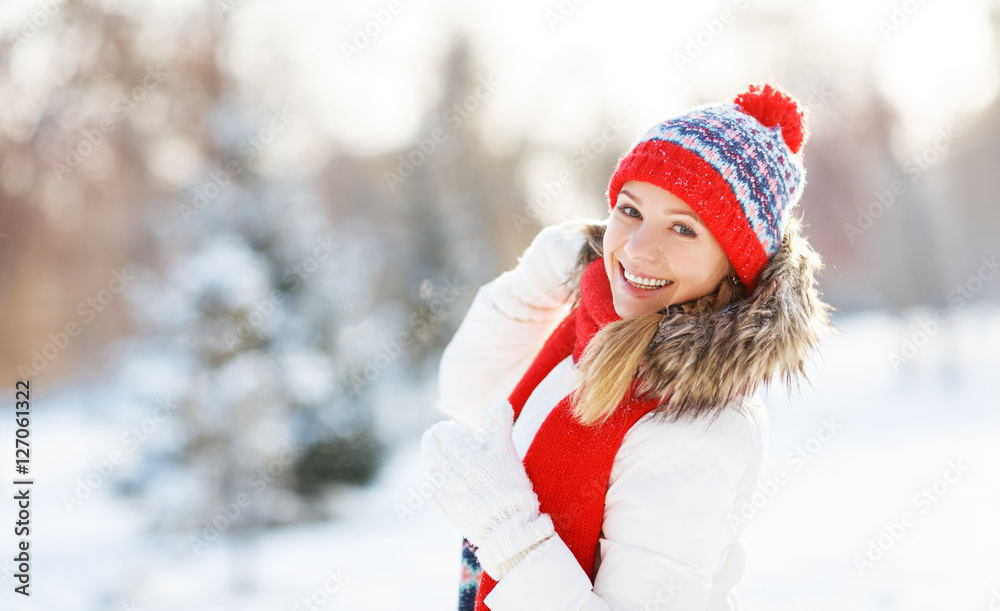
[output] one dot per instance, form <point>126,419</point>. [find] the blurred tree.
<point>85,107</point>
<point>971,184</point>
<point>441,208</point>
<point>254,290</point>
<point>253,303</point>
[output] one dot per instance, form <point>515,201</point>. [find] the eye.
<point>684,230</point>
<point>628,210</point>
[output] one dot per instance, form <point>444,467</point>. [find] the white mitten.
<point>485,491</point>
<point>537,284</point>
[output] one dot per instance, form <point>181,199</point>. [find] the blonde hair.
<point>616,353</point>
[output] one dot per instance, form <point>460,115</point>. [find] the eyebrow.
<point>669,210</point>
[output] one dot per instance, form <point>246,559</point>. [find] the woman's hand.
<point>485,492</point>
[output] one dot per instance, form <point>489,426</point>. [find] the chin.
<point>628,308</point>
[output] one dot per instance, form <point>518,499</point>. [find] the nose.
<point>643,244</point>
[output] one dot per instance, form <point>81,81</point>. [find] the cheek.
<point>699,266</point>
<point>684,262</point>
<point>613,239</point>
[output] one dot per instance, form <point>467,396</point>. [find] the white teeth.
<point>644,282</point>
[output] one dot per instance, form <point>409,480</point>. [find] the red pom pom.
<point>772,106</point>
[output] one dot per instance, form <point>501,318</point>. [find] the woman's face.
<point>657,252</point>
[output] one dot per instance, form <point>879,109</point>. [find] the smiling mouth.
<point>639,282</point>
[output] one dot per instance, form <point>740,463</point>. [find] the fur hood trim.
<point>698,363</point>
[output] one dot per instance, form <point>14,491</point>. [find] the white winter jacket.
<point>678,491</point>
<point>671,532</point>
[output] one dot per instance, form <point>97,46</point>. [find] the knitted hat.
<point>738,165</point>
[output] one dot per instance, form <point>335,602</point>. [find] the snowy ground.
<point>879,443</point>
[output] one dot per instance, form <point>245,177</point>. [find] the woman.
<point>606,427</point>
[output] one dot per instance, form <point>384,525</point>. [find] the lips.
<point>642,283</point>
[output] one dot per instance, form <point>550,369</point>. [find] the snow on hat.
<point>737,165</point>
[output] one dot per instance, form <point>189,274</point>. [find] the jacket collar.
<point>698,363</point>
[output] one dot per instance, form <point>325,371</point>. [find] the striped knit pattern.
<point>754,160</point>
<point>468,582</point>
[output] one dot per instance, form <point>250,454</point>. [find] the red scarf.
<point>569,464</point>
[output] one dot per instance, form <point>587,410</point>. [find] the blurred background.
<point>235,236</point>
